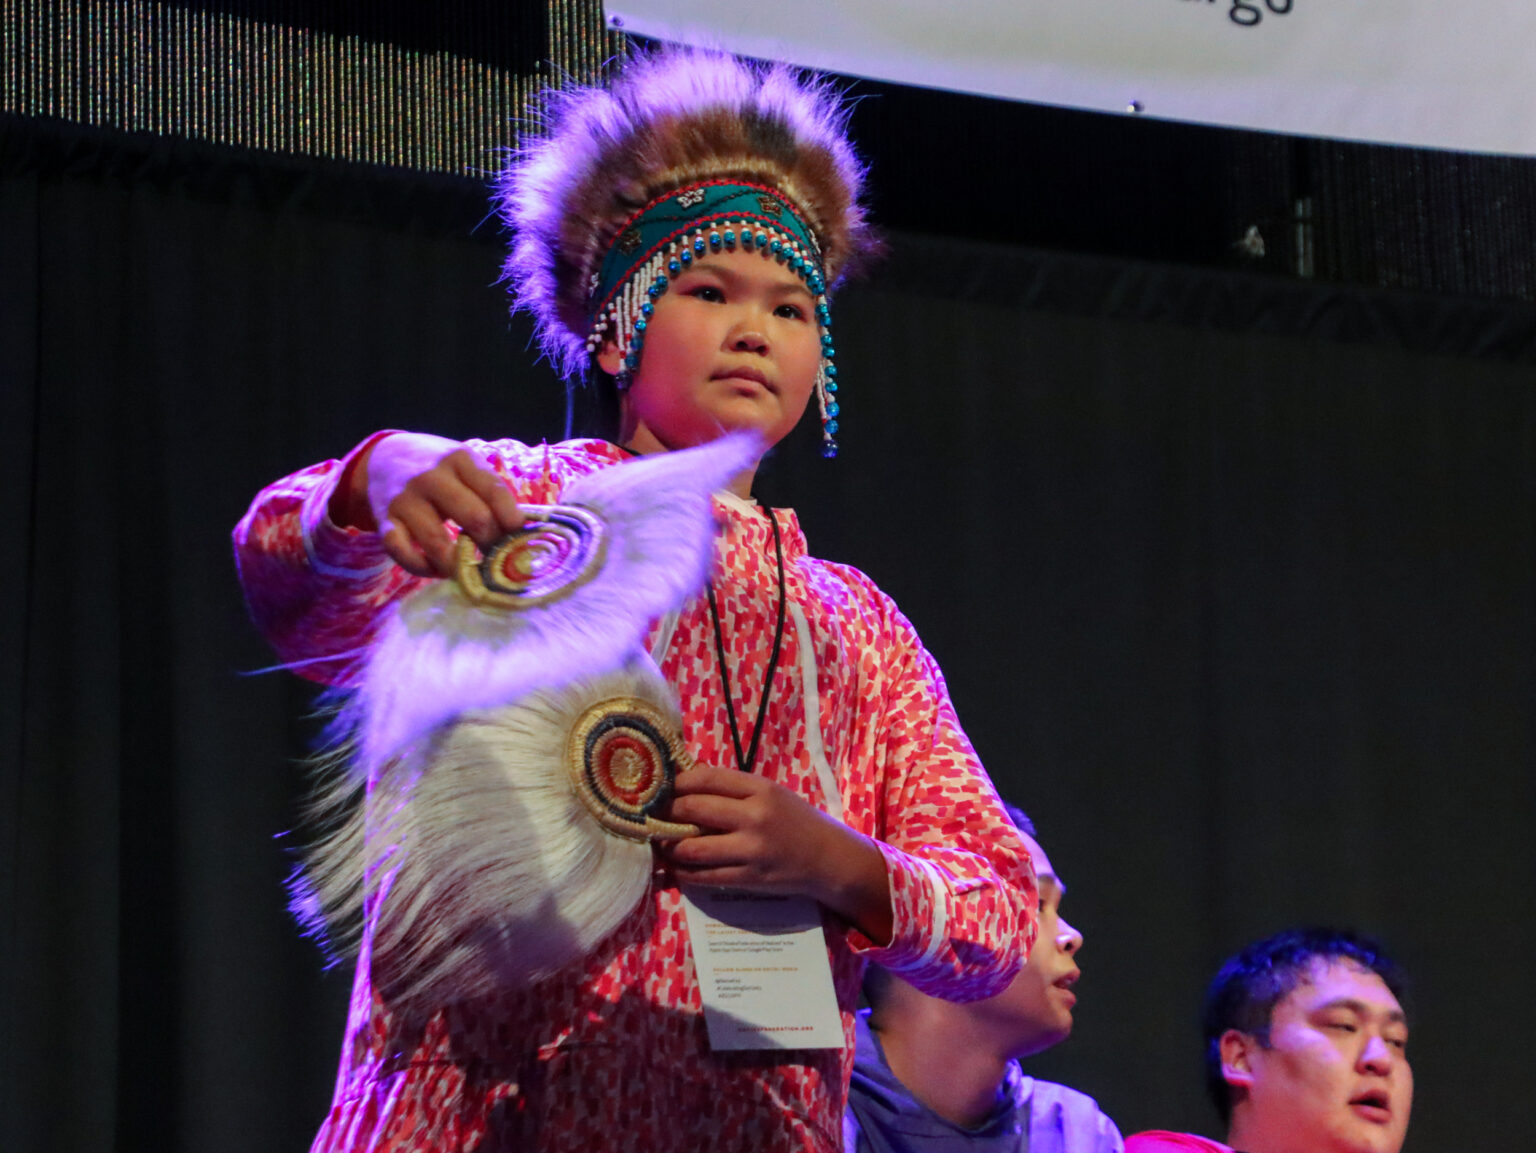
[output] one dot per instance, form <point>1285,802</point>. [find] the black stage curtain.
<point>1232,579</point>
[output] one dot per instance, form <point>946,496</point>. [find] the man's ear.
<point>1237,1050</point>
<point>608,358</point>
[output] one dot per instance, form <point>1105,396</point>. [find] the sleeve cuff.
<point>919,924</point>
<point>345,553</point>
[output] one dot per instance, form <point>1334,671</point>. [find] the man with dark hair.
<point>933,1076</point>
<point>1305,1050</point>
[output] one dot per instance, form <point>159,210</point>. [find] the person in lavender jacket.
<point>934,1076</point>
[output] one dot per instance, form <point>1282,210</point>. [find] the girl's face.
<point>732,344</point>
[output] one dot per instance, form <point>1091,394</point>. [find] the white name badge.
<point>763,971</point>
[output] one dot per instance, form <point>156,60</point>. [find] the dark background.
<point>1230,562</point>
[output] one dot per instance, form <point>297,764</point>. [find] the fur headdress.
<point>671,118</point>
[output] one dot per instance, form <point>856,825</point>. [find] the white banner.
<point>1434,73</point>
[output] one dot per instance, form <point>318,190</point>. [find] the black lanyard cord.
<point>745,762</point>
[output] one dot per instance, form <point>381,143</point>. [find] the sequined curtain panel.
<point>265,76</point>
<point>442,87</point>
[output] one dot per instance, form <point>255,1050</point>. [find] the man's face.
<point>1334,1077</point>
<point>1037,1007</point>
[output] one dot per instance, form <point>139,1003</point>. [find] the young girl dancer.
<point>680,231</point>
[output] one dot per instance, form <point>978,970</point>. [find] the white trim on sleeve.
<point>939,930</point>
<point>332,570</point>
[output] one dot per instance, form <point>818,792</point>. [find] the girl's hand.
<point>763,837</point>
<point>407,484</point>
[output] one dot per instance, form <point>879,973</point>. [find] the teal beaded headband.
<point>689,223</point>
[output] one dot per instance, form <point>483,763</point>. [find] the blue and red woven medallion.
<point>558,549</point>
<point>623,756</point>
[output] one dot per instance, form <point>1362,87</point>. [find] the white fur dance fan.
<point>517,742</point>
<point>586,577</point>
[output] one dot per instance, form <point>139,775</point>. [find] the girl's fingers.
<point>720,878</point>
<point>453,500</point>
<point>405,552</point>
<point>721,799</point>
<point>426,531</point>
<point>433,498</point>
<point>396,461</point>
<point>711,851</point>
<point>724,814</point>
<point>717,782</point>
<point>492,491</point>
<point>417,482</point>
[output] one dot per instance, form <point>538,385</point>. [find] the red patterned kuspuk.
<point>613,1053</point>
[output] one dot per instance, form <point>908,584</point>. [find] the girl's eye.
<point>707,292</point>
<point>789,312</point>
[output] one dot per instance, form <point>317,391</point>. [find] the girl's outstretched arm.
<point>316,573</point>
